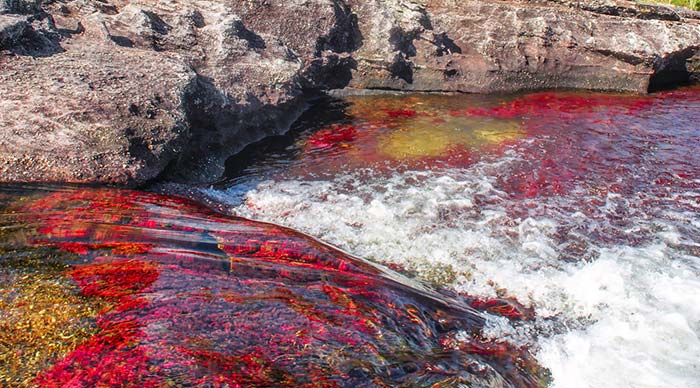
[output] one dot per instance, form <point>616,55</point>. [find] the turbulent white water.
<point>591,218</point>
<point>613,280</point>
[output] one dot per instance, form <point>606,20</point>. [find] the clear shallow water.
<point>112,288</point>
<point>583,207</point>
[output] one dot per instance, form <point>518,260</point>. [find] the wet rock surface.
<point>124,92</point>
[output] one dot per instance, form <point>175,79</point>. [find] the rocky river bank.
<point>123,92</point>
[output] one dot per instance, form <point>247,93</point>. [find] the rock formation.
<point>478,46</point>
<point>123,92</point>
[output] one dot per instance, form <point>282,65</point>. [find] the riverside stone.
<point>124,92</point>
<point>477,46</point>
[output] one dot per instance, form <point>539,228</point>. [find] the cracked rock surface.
<point>124,92</point>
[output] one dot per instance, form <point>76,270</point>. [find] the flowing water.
<point>582,207</point>
<point>542,239</point>
<point>113,288</point>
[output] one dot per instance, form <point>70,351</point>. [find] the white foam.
<point>625,314</point>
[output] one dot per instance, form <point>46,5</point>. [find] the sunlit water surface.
<point>583,207</point>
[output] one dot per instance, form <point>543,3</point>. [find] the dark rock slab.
<point>160,291</point>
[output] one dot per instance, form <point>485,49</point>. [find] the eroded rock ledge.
<point>123,92</point>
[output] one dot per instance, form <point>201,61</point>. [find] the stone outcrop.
<point>478,46</point>
<point>693,67</point>
<point>123,92</point>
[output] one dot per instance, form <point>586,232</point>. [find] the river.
<point>537,239</point>
<point>584,207</point>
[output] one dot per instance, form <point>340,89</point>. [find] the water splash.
<point>589,217</point>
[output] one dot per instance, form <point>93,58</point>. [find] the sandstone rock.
<point>124,91</point>
<point>308,27</point>
<point>12,29</point>
<point>143,86</point>
<point>477,46</point>
<point>28,35</point>
<point>693,66</point>
<point>89,118</point>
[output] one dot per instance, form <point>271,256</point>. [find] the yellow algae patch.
<point>42,316</point>
<point>416,143</point>
<point>497,132</point>
<point>424,137</point>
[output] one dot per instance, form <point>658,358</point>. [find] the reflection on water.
<point>104,287</point>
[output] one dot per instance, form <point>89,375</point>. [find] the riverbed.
<point>535,239</point>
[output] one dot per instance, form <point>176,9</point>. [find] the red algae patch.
<point>336,135</point>
<point>401,113</point>
<point>544,104</point>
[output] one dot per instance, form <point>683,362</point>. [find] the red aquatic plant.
<point>114,280</point>
<point>509,308</point>
<point>223,301</point>
<point>109,359</point>
<point>333,136</point>
<point>544,104</point>
<point>401,113</point>
<point>112,357</point>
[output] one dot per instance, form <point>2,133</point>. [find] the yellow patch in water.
<point>416,143</point>
<point>423,137</point>
<point>497,132</point>
<point>42,319</point>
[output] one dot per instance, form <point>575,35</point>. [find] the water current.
<point>546,239</point>
<point>582,207</point>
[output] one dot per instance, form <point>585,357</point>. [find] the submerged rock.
<point>165,292</point>
<point>124,91</point>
